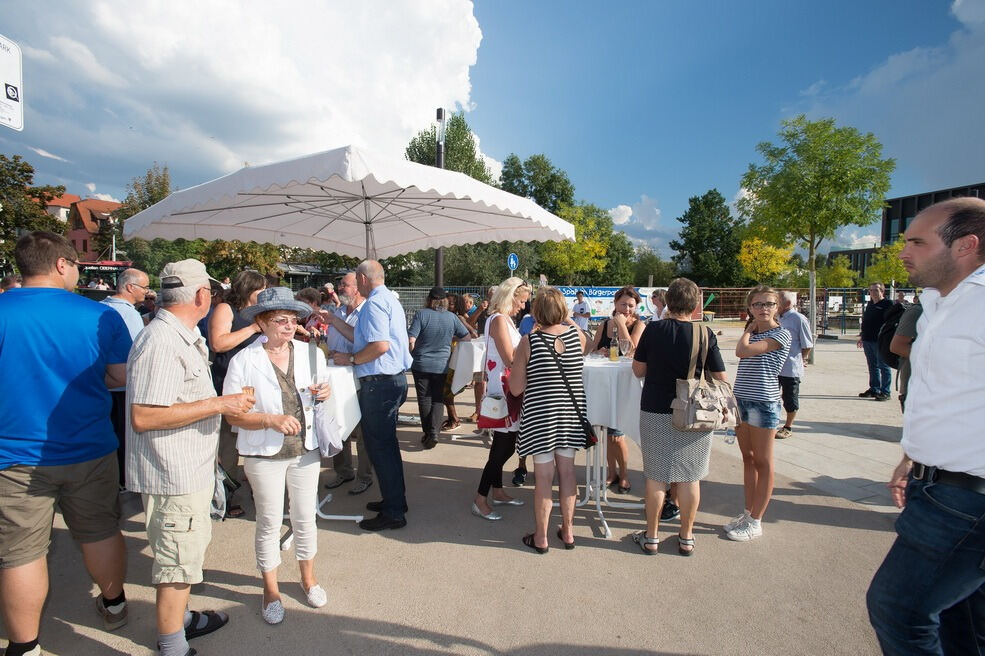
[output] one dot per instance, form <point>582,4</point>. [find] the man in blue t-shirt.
<point>59,355</point>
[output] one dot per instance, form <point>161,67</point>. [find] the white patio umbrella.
<point>352,202</point>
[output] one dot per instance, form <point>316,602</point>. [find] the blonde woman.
<point>501,338</point>
<point>548,364</point>
<point>762,350</point>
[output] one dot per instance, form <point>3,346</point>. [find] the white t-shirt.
<point>942,425</point>
<point>583,306</point>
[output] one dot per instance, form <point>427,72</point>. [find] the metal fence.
<point>839,310</point>
<point>413,298</point>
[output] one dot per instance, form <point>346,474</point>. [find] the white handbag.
<point>326,428</point>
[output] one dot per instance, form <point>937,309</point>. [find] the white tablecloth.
<point>613,395</point>
<point>343,400</point>
<point>466,359</point>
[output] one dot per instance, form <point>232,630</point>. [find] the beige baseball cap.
<point>186,273</point>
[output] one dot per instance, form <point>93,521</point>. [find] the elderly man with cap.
<point>172,438</point>
<point>431,333</point>
<point>381,359</point>
<point>56,441</point>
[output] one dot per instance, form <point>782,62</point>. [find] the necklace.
<point>281,351</point>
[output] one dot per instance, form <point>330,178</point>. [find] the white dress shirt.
<point>945,401</point>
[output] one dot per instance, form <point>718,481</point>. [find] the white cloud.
<point>44,153</point>
<point>969,12</point>
<point>91,186</point>
<point>620,214</point>
<point>106,197</point>
<point>922,104</point>
<point>204,87</point>
<point>640,222</point>
<point>850,237</point>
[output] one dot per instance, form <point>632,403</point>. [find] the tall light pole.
<point>439,161</point>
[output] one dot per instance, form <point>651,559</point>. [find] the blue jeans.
<point>928,597</point>
<point>880,375</point>
<point>379,401</point>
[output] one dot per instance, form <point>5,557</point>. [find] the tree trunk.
<point>812,286</point>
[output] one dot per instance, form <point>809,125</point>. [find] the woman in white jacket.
<point>277,441</point>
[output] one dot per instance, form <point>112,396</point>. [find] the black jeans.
<point>118,416</point>
<point>379,401</point>
<point>430,388</point>
<point>503,446</point>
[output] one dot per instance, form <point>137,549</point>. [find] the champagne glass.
<point>624,346</point>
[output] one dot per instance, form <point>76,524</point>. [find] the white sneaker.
<point>745,532</point>
<point>273,613</point>
<point>735,521</point>
<point>317,597</point>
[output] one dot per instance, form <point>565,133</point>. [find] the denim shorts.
<point>761,414</point>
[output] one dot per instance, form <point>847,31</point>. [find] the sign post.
<point>12,77</point>
<point>513,262</point>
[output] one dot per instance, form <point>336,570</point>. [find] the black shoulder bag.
<point>590,438</point>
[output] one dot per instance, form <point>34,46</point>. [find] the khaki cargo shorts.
<point>179,530</point>
<point>87,493</point>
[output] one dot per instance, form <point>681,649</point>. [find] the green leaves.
<point>22,207</point>
<point>708,248</point>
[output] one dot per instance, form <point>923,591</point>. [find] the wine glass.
<point>624,346</point>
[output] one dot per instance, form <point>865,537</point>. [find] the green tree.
<point>761,262</point>
<point>151,256</point>
<point>460,152</point>
<point>649,264</point>
<point>820,178</point>
<point>539,180</point>
<point>568,262</point>
<point>142,192</point>
<point>227,258</point>
<point>886,266</point>
<point>620,258</point>
<point>22,207</point>
<point>708,248</point>
<point>837,273</point>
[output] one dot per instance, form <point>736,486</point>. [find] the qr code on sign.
<point>12,93</point>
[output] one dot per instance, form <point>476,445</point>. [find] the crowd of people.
<point>226,373</point>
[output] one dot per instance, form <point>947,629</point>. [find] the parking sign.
<point>12,100</point>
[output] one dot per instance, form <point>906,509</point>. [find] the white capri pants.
<point>268,478</point>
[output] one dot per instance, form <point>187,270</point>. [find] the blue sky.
<point>644,104</point>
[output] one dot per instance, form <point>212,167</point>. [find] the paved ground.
<point>450,583</point>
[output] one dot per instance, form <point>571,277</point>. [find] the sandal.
<point>623,489</point>
<point>450,424</point>
<point>567,545</point>
<point>234,512</point>
<point>685,546</point>
<point>641,539</point>
<point>214,621</point>
<point>528,540</point>
<point>474,417</point>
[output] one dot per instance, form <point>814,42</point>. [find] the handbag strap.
<point>699,345</point>
<point>564,377</point>
<point>313,364</point>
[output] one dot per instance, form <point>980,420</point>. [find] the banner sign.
<point>601,299</point>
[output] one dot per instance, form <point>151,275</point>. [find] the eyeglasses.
<point>283,321</point>
<point>143,287</point>
<point>760,306</point>
<point>71,261</point>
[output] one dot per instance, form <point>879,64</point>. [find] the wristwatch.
<point>352,358</point>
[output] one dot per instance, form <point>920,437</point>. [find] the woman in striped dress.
<point>550,428</point>
<point>762,350</point>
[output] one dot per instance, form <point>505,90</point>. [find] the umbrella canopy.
<point>352,202</point>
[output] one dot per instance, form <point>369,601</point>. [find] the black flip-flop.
<point>215,622</point>
<point>528,540</point>
<point>567,545</point>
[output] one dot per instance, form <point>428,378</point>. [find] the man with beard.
<point>928,597</point>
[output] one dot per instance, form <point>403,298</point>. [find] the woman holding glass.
<point>622,330</point>
<point>276,439</point>
<point>762,350</point>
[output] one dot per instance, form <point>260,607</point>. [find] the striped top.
<point>549,419</point>
<point>756,378</point>
<point>169,364</point>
